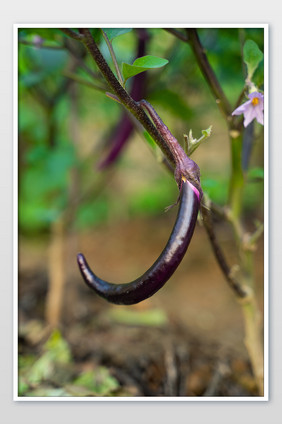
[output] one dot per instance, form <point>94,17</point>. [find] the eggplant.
<point>159,273</point>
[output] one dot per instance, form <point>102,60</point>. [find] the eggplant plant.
<point>193,199</point>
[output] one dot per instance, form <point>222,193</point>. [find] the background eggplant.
<point>162,269</point>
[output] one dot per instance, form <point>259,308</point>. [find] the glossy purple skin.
<point>162,269</point>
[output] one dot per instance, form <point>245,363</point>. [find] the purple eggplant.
<point>162,269</point>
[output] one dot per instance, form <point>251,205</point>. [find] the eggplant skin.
<point>162,269</point>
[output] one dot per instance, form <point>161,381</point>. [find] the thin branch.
<point>76,54</point>
<point>208,223</point>
<point>252,238</point>
<point>208,72</point>
<point>177,34</point>
<point>122,94</point>
<point>134,108</point>
<point>114,59</point>
<point>83,81</point>
<point>241,96</point>
<point>72,34</point>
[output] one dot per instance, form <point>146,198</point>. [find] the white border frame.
<point>15,218</point>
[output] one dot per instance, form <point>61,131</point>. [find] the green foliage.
<point>43,186</point>
<point>93,212</point>
<point>98,382</point>
<point>152,199</point>
<point>173,102</point>
<point>256,173</point>
<point>57,348</point>
<point>36,65</point>
<point>178,91</point>
<point>50,34</point>
<point>56,356</point>
<point>55,367</point>
<point>216,188</point>
<point>142,64</point>
<point>252,56</point>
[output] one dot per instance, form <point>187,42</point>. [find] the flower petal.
<point>259,115</point>
<point>249,115</point>
<point>242,109</point>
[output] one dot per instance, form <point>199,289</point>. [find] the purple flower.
<point>251,109</point>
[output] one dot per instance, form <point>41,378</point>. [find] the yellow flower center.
<point>255,101</point>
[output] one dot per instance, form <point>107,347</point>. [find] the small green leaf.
<point>56,355</point>
<point>256,173</point>
<point>98,381</point>
<point>150,62</point>
<point>129,71</point>
<point>142,64</point>
<point>58,348</point>
<point>252,56</point>
<point>115,32</point>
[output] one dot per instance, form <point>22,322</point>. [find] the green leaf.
<point>252,56</point>
<point>115,32</point>
<point>58,348</point>
<point>150,62</point>
<point>256,173</point>
<point>142,64</point>
<point>99,382</point>
<point>56,354</point>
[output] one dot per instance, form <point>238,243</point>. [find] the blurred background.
<point>91,182</point>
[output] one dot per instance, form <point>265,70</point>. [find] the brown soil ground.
<point>196,350</point>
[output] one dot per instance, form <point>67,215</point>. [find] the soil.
<point>195,346</point>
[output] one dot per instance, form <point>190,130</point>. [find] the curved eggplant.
<point>162,269</point>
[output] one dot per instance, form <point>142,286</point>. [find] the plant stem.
<point>83,81</point>
<point>56,271</point>
<point>72,34</point>
<point>250,309</point>
<point>208,72</point>
<point>177,34</point>
<point>114,59</point>
<point>253,339</point>
<point>122,94</point>
<point>208,223</point>
<point>243,291</point>
<point>236,185</point>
